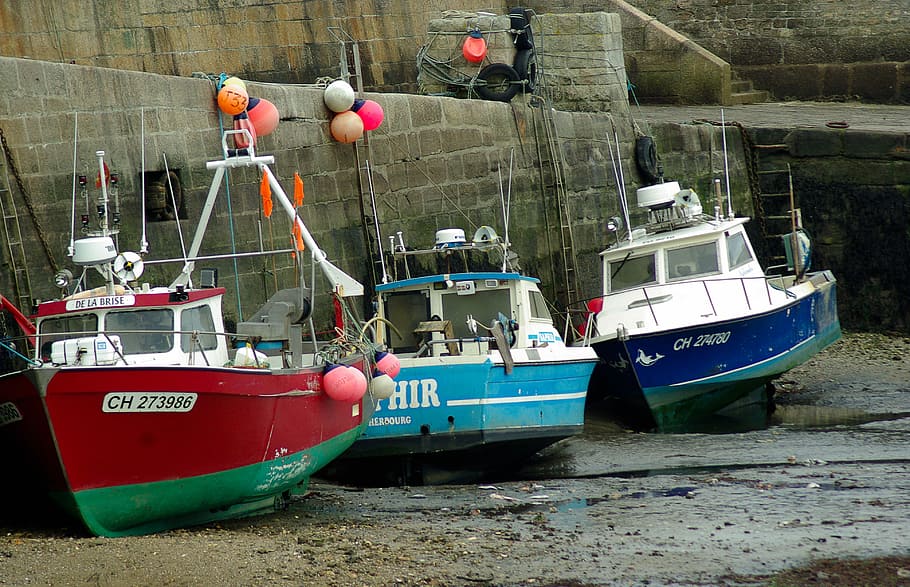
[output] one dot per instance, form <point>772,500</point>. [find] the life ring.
<point>520,25</point>
<point>501,82</point>
<point>526,66</point>
<point>646,158</point>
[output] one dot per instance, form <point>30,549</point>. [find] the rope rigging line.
<point>28,203</point>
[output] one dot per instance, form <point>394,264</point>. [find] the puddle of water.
<point>806,417</point>
<point>582,503</point>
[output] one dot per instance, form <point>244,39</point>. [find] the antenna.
<point>620,183</point>
<point>385,275</point>
<point>102,210</point>
<point>505,200</point>
<point>70,249</point>
<point>167,174</point>
<point>723,134</point>
<point>143,243</point>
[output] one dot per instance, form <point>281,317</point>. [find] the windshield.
<point>54,329</point>
<point>632,272</point>
<point>143,331</point>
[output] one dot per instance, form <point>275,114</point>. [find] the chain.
<point>28,202</point>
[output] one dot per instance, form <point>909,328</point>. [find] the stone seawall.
<point>437,164</point>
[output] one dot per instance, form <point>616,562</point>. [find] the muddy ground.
<point>819,496</point>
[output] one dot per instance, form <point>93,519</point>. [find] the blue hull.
<point>673,378</point>
<point>471,413</point>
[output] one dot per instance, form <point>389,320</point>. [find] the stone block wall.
<point>804,50</point>
<point>277,41</point>
<point>579,56</point>
<point>437,164</point>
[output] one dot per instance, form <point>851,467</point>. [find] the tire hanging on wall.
<point>520,22</point>
<point>501,82</point>
<point>646,158</point>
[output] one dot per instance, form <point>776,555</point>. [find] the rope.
<point>216,81</point>
<point>12,350</point>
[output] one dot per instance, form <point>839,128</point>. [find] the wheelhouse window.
<point>632,272</point>
<point>539,308</point>
<point>198,319</point>
<point>738,253</point>
<point>406,310</point>
<point>484,305</point>
<point>692,261</point>
<point>143,331</point>
<point>54,329</point>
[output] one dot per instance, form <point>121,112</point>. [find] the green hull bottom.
<point>145,508</point>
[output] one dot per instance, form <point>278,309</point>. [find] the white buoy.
<point>339,96</point>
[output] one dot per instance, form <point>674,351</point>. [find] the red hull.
<point>238,417</point>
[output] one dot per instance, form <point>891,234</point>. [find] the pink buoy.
<point>388,363</point>
<point>371,113</point>
<point>382,386</point>
<point>263,115</point>
<point>359,385</point>
<point>346,127</point>
<point>344,383</point>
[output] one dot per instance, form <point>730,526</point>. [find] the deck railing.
<point>654,295</point>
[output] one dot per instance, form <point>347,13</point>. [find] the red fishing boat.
<point>134,410</point>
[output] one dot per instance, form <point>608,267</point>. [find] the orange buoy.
<point>346,127</point>
<point>474,48</point>
<point>232,99</point>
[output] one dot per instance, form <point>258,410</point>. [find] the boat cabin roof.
<point>645,240</point>
<point>92,303</point>
<point>444,277</point>
<point>700,250</point>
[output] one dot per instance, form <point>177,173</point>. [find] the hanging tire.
<point>501,82</point>
<point>646,158</point>
<point>520,21</point>
<point>526,66</point>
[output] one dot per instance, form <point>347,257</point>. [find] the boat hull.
<point>669,380</point>
<point>134,450</point>
<point>469,412</point>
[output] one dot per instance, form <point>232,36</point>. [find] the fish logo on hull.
<point>647,360</point>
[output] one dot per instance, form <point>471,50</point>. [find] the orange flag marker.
<point>265,190</point>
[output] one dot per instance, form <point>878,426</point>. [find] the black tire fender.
<point>646,158</point>
<point>501,82</point>
<point>526,66</point>
<point>520,21</point>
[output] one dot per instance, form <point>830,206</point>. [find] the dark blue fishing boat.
<point>690,322</point>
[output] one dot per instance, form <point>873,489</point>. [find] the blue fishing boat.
<point>689,322</point>
<point>485,378</point>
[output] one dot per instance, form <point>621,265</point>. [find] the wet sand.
<point>828,478</point>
